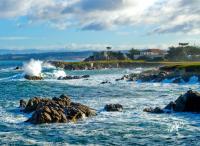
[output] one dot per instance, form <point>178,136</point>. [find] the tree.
<point>131,53</point>
<point>108,48</point>
<point>183,53</point>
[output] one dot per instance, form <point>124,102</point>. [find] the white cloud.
<point>165,16</point>
<point>13,38</point>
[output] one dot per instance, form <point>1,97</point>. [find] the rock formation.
<point>55,110</point>
<point>160,75</point>
<point>113,107</point>
<point>73,77</point>
<point>28,77</point>
<point>189,102</point>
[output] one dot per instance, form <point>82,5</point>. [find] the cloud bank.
<point>161,16</point>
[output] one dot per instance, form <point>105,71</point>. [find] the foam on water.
<point>59,73</point>
<point>48,65</point>
<point>130,127</point>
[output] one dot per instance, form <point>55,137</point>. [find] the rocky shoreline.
<point>103,64</point>
<point>60,110</point>
<point>172,74</point>
<point>63,110</point>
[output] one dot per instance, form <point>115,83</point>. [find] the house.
<point>151,53</point>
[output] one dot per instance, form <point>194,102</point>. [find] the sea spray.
<point>33,67</point>
<point>48,65</point>
<point>59,73</point>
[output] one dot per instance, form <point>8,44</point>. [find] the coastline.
<point>121,64</point>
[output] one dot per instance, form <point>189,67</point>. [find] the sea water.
<point>130,127</point>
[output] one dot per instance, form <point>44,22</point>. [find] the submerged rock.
<point>56,110</point>
<point>105,82</point>
<point>73,77</point>
<point>17,68</point>
<point>189,102</point>
<point>28,77</point>
<point>113,107</point>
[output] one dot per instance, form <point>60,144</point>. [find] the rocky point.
<point>56,110</point>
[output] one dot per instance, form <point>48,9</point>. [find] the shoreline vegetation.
<point>192,65</point>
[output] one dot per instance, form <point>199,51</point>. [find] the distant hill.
<point>47,56</point>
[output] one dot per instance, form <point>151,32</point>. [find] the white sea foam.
<point>48,65</point>
<point>33,67</point>
<point>59,73</point>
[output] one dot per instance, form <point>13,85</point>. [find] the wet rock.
<point>86,110</point>
<point>56,110</point>
<point>189,102</point>
<point>105,82</point>
<point>22,103</point>
<point>125,77</point>
<point>113,107</point>
<point>33,77</point>
<point>159,75</point>
<point>73,77</point>
<point>154,110</point>
<point>17,68</point>
<point>85,76</point>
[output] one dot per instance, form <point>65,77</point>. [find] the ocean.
<point>130,127</point>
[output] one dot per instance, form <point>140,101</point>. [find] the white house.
<point>151,53</point>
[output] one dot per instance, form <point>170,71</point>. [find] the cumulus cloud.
<point>164,16</point>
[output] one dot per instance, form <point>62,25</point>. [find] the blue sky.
<point>94,24</point>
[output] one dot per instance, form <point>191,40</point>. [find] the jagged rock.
<point>105,82</point>
<point>159,75</point>
<point>22,103</point>
<point>56,110</point>
<point>113,107</point>
<point>17,68</point>
<point>189,102</point>
<point>154,110</point>
<point>125,77</point>
<point>28,77</point>
<point>73,77</point>
<point>85,76</point>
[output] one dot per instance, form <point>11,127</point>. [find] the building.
<point>151,53</point>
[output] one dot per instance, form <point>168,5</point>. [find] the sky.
<point>95,24</point>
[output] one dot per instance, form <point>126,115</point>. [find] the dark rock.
<point>189,102</point>
<point>56,110</point>
<point>154,110</point>
<point>73,77</point>
<point>85,76</point>
<point>22,103</point>
<point>17,68</point>
<point>105,82</point>
<point>33,77</point>
<point>113,107</point>
<point>158,75</point>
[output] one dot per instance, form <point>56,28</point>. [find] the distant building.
<point>151,53</point>
<point>183,44</point>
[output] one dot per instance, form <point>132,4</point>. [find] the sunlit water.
<point>130,127</point>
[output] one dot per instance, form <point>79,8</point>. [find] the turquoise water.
<point>130,127</point>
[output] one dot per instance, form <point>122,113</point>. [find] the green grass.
<point>188,66</point>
